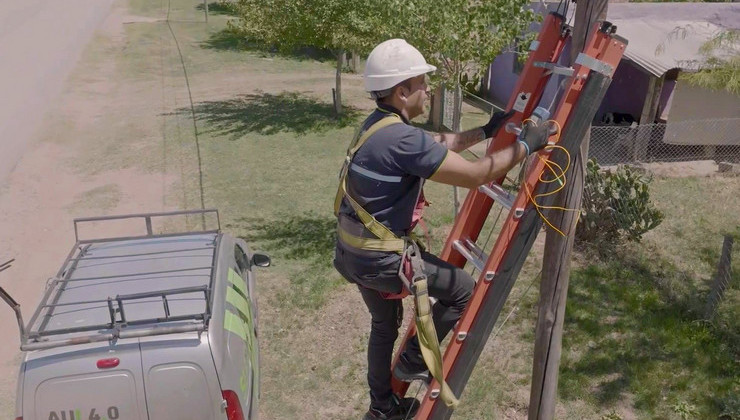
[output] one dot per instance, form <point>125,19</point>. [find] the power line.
<point>192,111</point>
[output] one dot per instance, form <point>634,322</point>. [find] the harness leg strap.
<point>425,331</point>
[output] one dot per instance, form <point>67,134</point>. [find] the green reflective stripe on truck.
<point>240,303</point>
<point>238,282</point>
<point>242,324</point>
<point>235,324</point>
<point>244,311</point>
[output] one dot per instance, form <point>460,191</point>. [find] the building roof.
<point>665,36</point>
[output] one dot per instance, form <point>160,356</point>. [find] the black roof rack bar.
<point>163,235</point>
<point>144,254</point>
<point>119,300</point>
<point>147,220</point>
<point>50,288</point>
<point>116,276</point>
<point>62,283</point>
<point>174,329</point>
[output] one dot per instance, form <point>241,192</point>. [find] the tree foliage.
<point>458,36</point>
<point>718,64</point>
<point>721,67</point>
<point>287,24</point>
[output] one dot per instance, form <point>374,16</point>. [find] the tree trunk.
<point>341,58</point>
<point>354,64</point>
<point>457,111</point>
<point>437,109</point>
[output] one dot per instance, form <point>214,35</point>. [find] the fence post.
<point>722,281</point>
<point>649,110</point>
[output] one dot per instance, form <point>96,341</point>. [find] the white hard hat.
<point>392,62</point>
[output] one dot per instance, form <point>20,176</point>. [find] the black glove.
<point>534,137</point>
<point>496,121</point>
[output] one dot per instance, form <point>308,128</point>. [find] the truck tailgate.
<point>71,386</point>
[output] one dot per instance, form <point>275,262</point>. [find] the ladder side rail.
<point>461,366</point>
<point>477,205</point>
<point>532,81</point>
<point>598,47</point>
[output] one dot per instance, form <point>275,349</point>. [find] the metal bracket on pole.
<point>595,64</point>
<point>553,68</point>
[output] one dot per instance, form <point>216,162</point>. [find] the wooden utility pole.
<point>556,261</point>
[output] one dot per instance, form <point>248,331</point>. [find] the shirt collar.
<point>385,108</point>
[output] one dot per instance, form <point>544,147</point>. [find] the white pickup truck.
<point>145,327</point>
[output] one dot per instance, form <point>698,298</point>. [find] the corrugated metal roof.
<point>664,36</point>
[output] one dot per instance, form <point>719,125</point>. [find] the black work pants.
<point>450,285</point>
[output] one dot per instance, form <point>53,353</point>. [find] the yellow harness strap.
<point>425,331</point>
<point>386,239</point>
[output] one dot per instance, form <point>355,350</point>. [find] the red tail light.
<point>233,407</point>
<point>108,363</point>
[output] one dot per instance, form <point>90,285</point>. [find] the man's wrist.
<point>526,147</point>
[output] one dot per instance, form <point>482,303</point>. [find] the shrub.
<point>616,206</point>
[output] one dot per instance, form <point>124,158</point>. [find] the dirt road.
<point>61,94</point>
<point>40,42</point>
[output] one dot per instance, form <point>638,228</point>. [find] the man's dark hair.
<point>382,96</point>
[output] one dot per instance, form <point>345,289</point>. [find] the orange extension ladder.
<point>585,86</point>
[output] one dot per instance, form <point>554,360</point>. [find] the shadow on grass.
<point>265,113</point>
<point>219,8</point>
<point>628,332</point>
<point>230,39</point>
<point>307,237</point>
<point>306,242</point>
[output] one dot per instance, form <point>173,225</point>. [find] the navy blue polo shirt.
<point>387,172</point>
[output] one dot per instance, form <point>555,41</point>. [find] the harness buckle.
<point>411,264</point>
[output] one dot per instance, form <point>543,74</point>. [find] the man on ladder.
<point>380,200</point>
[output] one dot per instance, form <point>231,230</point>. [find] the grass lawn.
<point>270,151</point>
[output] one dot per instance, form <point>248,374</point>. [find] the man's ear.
<point>403,93</point>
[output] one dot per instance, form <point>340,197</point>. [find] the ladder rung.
<point>471,252</point>
<point>498,194</point>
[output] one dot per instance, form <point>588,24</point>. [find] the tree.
<point>335,25</point>
<point>718,66</point>
<point>458,36</point>
<point>721,67</point>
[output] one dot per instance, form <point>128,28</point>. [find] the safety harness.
<point>411,270</point>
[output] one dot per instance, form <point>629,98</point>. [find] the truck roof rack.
<point>167,278</point>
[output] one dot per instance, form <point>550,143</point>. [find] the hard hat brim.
<point>383,82</point>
